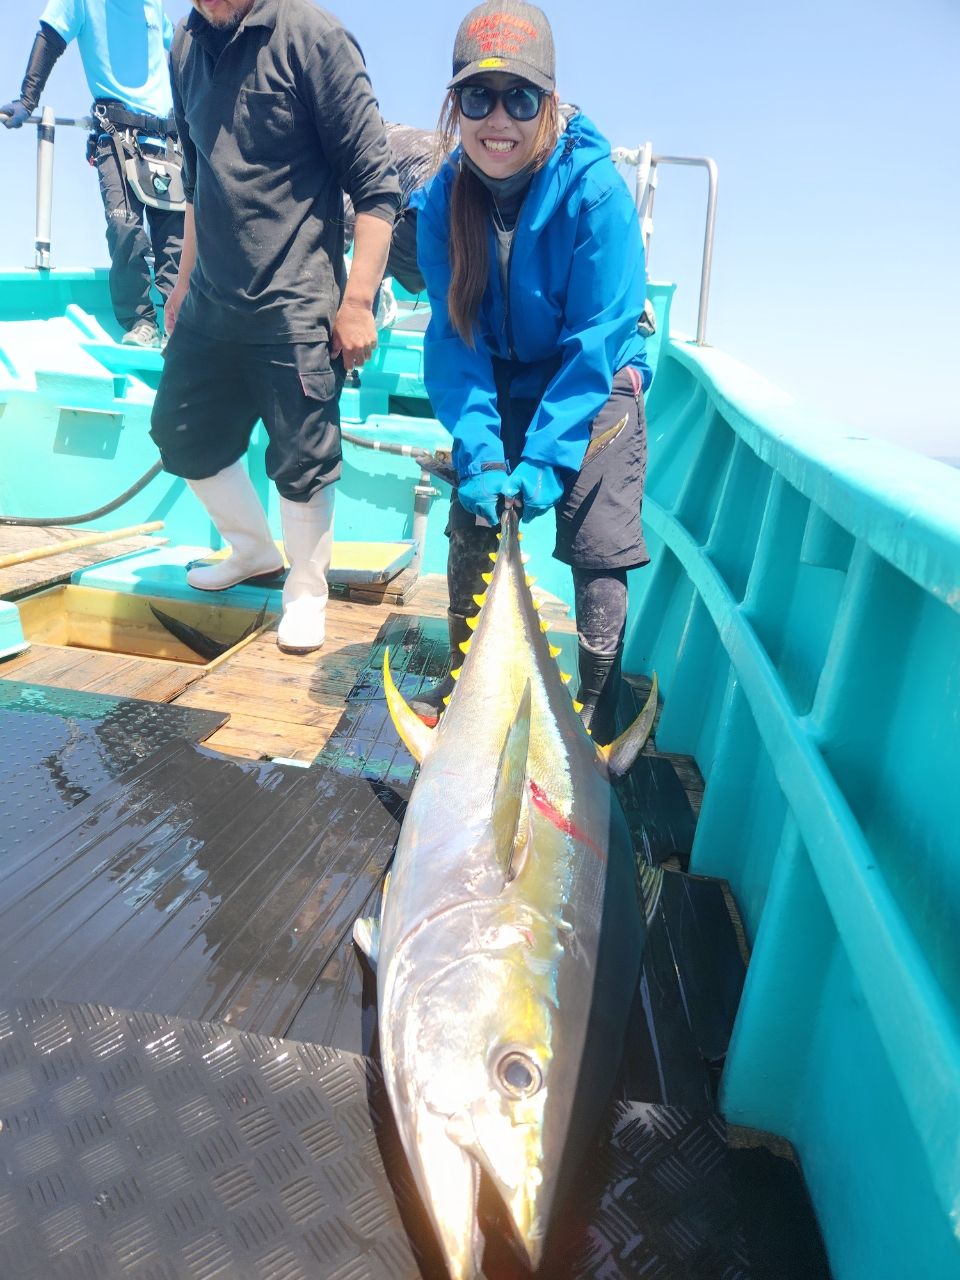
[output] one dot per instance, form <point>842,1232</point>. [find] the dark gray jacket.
<point>277,120</point>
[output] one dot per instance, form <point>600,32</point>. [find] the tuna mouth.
<point>511,1218</point>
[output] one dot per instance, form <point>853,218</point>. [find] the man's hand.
<point>479,494</point>
<point>14,114</point>
<point>354,334</point>
<point>538,485</point>
<point>171,308</point>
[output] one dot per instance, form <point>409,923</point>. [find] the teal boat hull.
<point>802,611</point>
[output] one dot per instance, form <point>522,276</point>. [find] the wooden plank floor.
<point>284,704</point>
<point>93,671</point>
<point>33,575</point>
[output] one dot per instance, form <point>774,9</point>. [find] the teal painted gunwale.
<point>755,514</point>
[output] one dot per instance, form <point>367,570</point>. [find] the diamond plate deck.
<point>60,746</point>
<point>197,886</point>
<point>135,1145</point>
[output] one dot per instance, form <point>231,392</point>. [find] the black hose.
<point>41,522</point>
<point>430,462</point>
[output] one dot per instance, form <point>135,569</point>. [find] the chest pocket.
<point>264,124</point>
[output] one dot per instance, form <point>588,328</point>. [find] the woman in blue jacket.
<point>530,247</point>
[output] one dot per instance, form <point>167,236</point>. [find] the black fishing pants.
<point>133,232</point>
<point>213,391</point>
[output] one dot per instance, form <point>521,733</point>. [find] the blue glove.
<point>538,485</point>
<point>13,115</point>
<point>479,494</point>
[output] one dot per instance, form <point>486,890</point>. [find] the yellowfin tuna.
<point>509,941</point>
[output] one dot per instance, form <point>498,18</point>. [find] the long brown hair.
<point>470,212</point>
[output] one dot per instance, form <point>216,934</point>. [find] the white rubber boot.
<point>308,542</point>
<point>232,504</point>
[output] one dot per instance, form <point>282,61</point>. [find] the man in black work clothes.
<point>277,120</point>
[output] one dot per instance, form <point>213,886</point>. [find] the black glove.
<point>14,114</point>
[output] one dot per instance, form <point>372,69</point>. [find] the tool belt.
<point>152,173</point>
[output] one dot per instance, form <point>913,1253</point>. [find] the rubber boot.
<point>308,542</point>
<point>428,704</point>
<point>232,504</point>
<point>599,692</point>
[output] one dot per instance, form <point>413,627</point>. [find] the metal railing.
<point>647,164</point>
<point>46,124</point>
<point>641,158</point>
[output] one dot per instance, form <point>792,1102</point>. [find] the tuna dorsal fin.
<point>509,815</point>
<point>414,734</point>
<point>622,752</point>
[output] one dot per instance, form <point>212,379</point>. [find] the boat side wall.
<point>75,419</point>
<point>802,609</point>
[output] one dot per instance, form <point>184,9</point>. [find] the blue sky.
<point>834,125</point>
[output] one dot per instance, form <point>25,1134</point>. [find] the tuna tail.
<point>254,626</point>
<point>623,751</point>
<point>199,643</point>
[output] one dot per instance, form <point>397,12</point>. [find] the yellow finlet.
<point>566,677</point>
<point>577,706</point>
<point>455,675</point>
<point>528,580</point>
<point>493,556</point>
<point>480,601</point>
<point>544,624</point>
<point>555,651</point>
<point>488,578</point>
<point>446,700</point>
<point>464,645</point>
<point>473,622</point>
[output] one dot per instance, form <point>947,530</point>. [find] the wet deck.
<point>279,705</point>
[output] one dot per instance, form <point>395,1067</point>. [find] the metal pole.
<point>703,162</point>
<point>45,135</point>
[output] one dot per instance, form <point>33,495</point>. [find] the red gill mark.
<point>563,824</point>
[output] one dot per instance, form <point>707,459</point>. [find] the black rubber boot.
<point>600,692</point>
<point>428,704</point>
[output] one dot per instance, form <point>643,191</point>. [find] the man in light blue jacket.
<point>123,46</point>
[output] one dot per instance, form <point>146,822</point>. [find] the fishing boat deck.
<point>279,705</point>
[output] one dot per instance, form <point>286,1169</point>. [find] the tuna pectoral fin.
<point>622,752</point>
<point>509,815</point>
<point>414,734</point>
<point>366,929</point>
<point>366,935</point>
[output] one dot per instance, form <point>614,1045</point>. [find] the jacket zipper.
<point>508,321</point>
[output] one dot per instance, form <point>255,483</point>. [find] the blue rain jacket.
<point>576,285</point>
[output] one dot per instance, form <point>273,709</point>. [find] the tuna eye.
<point>518,1075</point>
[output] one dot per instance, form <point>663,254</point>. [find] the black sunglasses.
<point>477,101</point>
